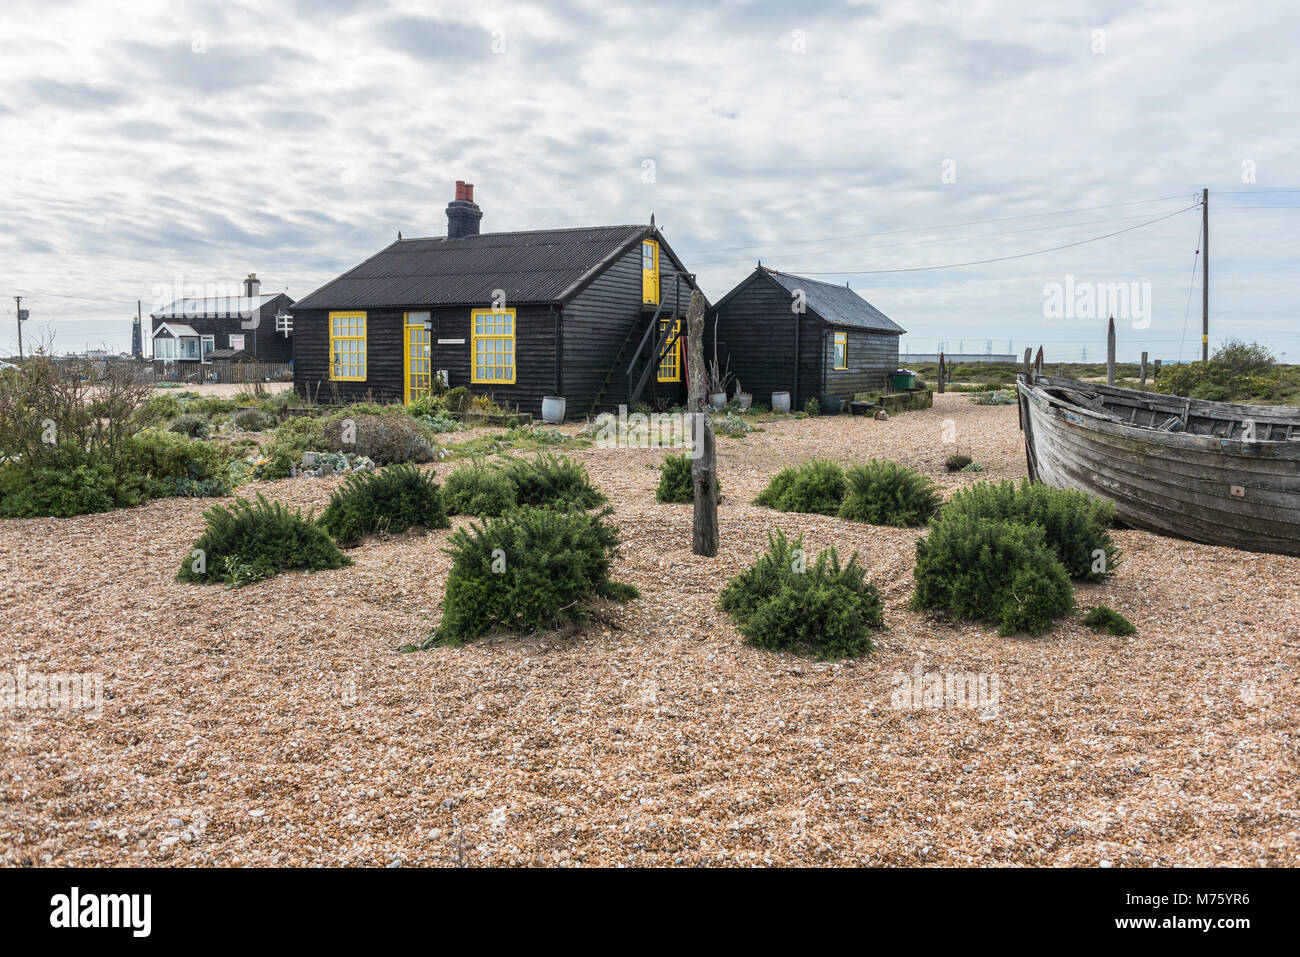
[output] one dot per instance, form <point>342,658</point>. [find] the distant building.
<point>190,330</point>
<point>955,358</point>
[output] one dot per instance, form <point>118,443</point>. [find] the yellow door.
<point>419,356</point>
<point>650,271</point>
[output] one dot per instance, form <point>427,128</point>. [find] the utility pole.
<point>18,310</point>
<point>1205,275</point>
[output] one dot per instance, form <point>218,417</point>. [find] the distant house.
<point>190,330</point>
<point>592,314</point>
<point>787,333</point>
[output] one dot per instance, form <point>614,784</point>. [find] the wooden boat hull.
<point>1220,489</point>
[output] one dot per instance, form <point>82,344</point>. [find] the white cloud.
<point>141,141</point>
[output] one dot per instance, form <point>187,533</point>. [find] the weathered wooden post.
<point>1110,353</point>
<point>704,461</point>
<point>1038,362</point>
<point>941,374</point>
<point>1142,383</point>
<point>1029,359</point>
<point>1155,371</point>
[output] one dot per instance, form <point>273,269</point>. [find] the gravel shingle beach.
<point>279,724</point>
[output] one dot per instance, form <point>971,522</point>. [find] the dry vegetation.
<point>278,724</point>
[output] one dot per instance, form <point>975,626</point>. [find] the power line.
<point>999,259</point>
<point>931,228</point>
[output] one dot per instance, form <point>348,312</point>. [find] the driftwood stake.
<point>1110,353</point>
<point>942,376</point>
<point>1143,383</point>
<point>704,537</point>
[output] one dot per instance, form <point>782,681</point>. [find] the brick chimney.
<point>252,286</point>
<point>463,213</point>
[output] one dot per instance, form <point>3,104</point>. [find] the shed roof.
<point>537,266</point>
<point>838,305</point>
<point>176,329</point>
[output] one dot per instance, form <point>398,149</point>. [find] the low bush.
<point>195,426</point>
<point>552,481</point>
<point>251,420</point>
<point>528,570</point>
<point>886,493</point>
<point>1105,618</point>
<point>388,437</point>
<point>243,543</point>
<point>67,481</point>
<point>733,425</point>
<point>457,399</point>
<point>675,482</point>
<point>955,463</point>
<point>813,406</point>
<point>815,486</point>
<point>479,490</point>
<point>394,499</point>
<point>992,571</point>
<point>1076,526</point>
<point>782,603</point>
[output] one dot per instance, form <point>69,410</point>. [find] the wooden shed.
<point>787,333</point>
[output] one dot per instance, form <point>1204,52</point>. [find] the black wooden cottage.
<point>191,329</point>
<point>590,314</point>
<point>786,333</point>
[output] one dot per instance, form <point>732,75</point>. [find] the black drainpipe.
<point>794,395</point>
<point>557,316</point>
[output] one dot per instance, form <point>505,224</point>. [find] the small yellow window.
<point>493,346</point>
<point>650,271</point>
<point>841,350</point>
<point>348,346</point>
<point>670,366</point>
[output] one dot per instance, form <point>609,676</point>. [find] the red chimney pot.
<point>460,189</point>
<point>469,192</point>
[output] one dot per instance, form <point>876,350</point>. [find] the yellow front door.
<point>419,356</point>
<point>650,271</point>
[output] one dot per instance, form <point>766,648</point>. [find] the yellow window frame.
<point>417,352</point>
<point>348,346</point>
<point>650,271</point>
<point>841,350</point>
<point>494,331</point>
<point>670,366</point>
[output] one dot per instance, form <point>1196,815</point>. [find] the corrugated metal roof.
<point>838,305</point>
<point>532,266</point>
<point>216,307</point>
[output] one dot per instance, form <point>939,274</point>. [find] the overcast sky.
<point>148,144</point>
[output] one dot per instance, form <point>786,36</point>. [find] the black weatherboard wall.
<point>760,333</point>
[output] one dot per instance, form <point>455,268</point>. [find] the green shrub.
<point>1105,618</point>
<point>783,603</point>
<point>886,493</point>
<point>813,406</point>
<point>390,500</point>
<point>675,481</point>
<point>244,542</point>
<point>528,570</point>
<point>479,490</point>
<point>1076,525</point>
<point>973,467</point>
<point>733,425</point>
<point>388,437</point>
<point>815,486</point>
<point>552,481</point>
<point>251,420</point>
<point>195,426</point>
<point>454,400</point>
<point>302,433</point>
<point>955,463</point>
<point>992,571</point>
<point>159,408</point>
<point>165,455</point>
<point>67,481</point>
<point>440,423</point>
